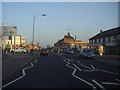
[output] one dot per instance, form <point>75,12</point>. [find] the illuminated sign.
<point>9,31</point>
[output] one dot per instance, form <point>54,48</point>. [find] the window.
<point>101,40</point>
<point>90,41</point>
<point>93,41</point>
<point>118,37</point>
<point>97,40</point>
<point>112,38</point>
<point>106,39</point>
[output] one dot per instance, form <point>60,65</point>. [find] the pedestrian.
<point>6,51</point>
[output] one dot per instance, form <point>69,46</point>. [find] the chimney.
<point>75,37</point>
<point>68,34</point>
<point>101,31</point>
<point>64,36</point>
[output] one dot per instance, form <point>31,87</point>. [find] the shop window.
<point>101,40</point>
<point>93,41</point>
<point>111,38</point>
<point>97,40</point>
<point>106,39</point>
<point>118,37</point>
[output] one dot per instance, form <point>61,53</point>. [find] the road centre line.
<point>99,84</point>
<point>23,72</point>
<point>110,83</point>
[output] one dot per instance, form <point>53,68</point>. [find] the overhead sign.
<point>9,31</point>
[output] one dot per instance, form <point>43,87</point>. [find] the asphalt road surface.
<point>67,71</point>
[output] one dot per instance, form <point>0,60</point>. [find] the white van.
<point>20,50</point>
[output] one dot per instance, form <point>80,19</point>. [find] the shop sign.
<point>110,44</point>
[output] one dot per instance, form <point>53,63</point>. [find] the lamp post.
<point>34,26</point>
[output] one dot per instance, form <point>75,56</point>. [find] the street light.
<point>34,26</point>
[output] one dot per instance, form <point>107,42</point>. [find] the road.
<point>67,71</point>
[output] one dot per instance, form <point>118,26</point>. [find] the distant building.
<point>6,32</point>
<point>106,42</point>
<point>20,41</point>
<point>69,42</point>
<point>17,41</point>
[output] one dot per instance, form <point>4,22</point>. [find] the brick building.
<point>106,42</point>
<point>69,42</point>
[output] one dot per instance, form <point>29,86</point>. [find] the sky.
<point>83,19</point>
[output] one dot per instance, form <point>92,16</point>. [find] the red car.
<point>44,52</point>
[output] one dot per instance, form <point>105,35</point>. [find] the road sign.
<point>9,31</point>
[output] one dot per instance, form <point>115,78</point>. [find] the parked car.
<point>44,52</point>
<point>87,53</point>
<point>19,50</point>
<point>70,51</point>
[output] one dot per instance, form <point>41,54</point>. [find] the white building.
<point>17,41</point>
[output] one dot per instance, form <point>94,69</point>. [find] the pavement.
<point>13,63</point>
<point>115,59</point>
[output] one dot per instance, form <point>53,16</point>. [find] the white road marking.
<point>73,74</point>
<point>118,80</point>
<point>97,69</point>
<point>77,67</point>
<point>94,88</point>
<point>83,80</point>
<point>98,84</point>
<point>84,65</point>
<point>92,67</point>
<point>23,72</point>
<point>110,83</point>
<point>88,70</point>
<point>107,71</point>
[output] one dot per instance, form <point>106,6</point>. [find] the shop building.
<point>106,42</point>
<point>69,42</point>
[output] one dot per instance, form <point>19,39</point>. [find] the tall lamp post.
<point>34,27</point>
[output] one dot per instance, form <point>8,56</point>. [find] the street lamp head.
<point>43,14</point>
<point>40,14</point>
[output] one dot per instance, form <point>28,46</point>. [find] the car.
<point>19,50</point>
<point>44,52</point>
<point>87,53</point>
<point>70,51</point>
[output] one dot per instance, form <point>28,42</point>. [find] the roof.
<point>68,36</point>
<point>78,41</point>
<point>107,33</point>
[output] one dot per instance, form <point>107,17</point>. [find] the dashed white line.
<point>110,83</point>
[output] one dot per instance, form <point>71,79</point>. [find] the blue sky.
<point>84,19</point>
